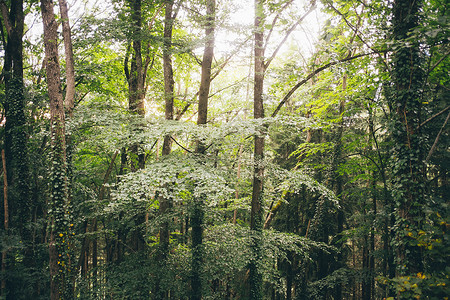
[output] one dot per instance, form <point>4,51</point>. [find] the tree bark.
<point>136,89</point>
<point>136,79</point>
<point>256,214</point>
<point>165,203</point>
<point>407,78</point>
<point>60,267</point>
<point>169,97</point>
<point>68,49</point>
<point>198,209</point>
<point>208,55</point>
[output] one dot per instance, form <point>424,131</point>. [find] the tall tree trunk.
<point>169,98</point>
<point>407,78</point>
<point>136,95</point>
<point>256,214</point>
<point>165,203</point>
<point>60,232</point>
<point>198,209</point>
<point>69,107</point>
<point>136,79</point>
<point>16,149</point>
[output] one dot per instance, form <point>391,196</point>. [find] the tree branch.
<point>438,62</point>
<point>356,30</point>
<point>213,76</point>
<point>227,60</point>
<point>180,145</point>
<point>5,15</point>
<point>315,72</point>
<point>434,116</point>
<point>437,139</point>
<point>288,33</point>
<point>275,21</point>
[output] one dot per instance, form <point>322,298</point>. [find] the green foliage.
<point>345,181</point>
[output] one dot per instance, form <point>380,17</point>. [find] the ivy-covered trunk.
<point>405,103</point>
<point>16,149</point>
<point>60,231</point>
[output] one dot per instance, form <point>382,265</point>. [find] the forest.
<point>224,149</point>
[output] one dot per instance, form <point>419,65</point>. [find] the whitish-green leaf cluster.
<point>294,181</point>
<point>175,178</point>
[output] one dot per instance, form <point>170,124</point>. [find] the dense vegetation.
<point>203,149</point>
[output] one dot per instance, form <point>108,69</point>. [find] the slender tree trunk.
<point>238,176</point>
<point>70,70</point>
<point>69,107</point>
<point>256,215</point>
<point>372,240</point>
<point>387,267</point>
<point>208,55</point>
<point>165,203</point>
<point>6,219</point>
<point>169,98</point>
<point>135,75</point>
<point>136,90</point>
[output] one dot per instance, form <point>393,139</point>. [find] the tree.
<point>405,106</point>
<point>165,203</point>
<point>257,203</point>
<point>16,147</point>
<point>256,223</point>
<point>197,219</point>
<point>58,206</point>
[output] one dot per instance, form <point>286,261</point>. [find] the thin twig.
<point>266,65</point>
<point>358,33</point>
<point>437,139</point>
<point>438,62</point>
<point>275,21</point>
<point>434,116</point>
<point>181,145</point>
